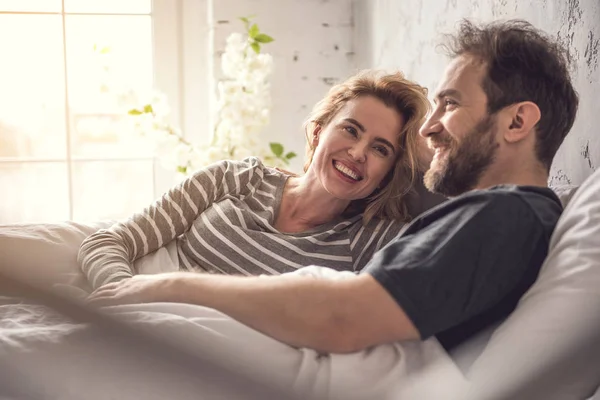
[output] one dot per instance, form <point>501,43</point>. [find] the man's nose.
<point>431,126</point>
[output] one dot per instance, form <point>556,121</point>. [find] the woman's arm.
<point>108,255</point>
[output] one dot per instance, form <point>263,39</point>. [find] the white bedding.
<point>77,365</point>
<point>68,361</point>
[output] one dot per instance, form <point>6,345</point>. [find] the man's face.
<point>460,131</point>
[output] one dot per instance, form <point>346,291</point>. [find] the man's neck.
<point>533,176</point>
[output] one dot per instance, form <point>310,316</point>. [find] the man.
<point>502,109</point>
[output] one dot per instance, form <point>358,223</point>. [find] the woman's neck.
<point>306,202</point>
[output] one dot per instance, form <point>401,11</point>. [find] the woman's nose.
<point>358,152</point>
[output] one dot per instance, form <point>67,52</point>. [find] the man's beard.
<point>460,170</point>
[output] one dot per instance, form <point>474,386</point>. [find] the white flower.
<point>182,154</point>
<point>144,124</point>
<point>266,63</point>
<point>165,143</point>
<point>236,41</point>
<point>243,110</point>
<point>160,106</point>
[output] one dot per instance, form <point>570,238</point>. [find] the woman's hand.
<point>138,289</point>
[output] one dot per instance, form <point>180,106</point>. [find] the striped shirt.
<point>222,219</point>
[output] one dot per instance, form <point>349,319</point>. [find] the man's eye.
<point>450,103</point>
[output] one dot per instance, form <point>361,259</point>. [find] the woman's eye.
<point>351,130</point>
<point>382,150</point>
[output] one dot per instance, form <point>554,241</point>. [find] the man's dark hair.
<point>523,64</point>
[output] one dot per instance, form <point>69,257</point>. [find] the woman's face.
<point>357,149</point>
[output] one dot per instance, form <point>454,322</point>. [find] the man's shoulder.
<point>498,202</point>
<point>539,205</point>
<point>528,196</point>
<point>541,201</point>
<point>503,192</point>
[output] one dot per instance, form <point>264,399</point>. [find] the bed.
<point>547,349</point>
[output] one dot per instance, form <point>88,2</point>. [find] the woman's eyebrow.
<point>386,142</point>
<point>355,122</point>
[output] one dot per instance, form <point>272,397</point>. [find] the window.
<point>66,148</point>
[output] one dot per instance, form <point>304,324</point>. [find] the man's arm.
<point>333,316</point>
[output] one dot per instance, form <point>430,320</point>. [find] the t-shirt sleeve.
<point>451,267</point>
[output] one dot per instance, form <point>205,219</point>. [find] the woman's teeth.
<point>347,171</point>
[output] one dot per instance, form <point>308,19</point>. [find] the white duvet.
<point>46,354</point>
<point>538,352</point>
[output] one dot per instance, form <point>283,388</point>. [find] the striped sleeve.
<point>366,240</point>
<point>108,255</point>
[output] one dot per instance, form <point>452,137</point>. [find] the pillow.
<point>549,347</point>
<point>44,253</point>
<point>565,193</point>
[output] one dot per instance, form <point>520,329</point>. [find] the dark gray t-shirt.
<point>465,263</point>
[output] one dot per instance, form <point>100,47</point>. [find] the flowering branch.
<point>243,110</point>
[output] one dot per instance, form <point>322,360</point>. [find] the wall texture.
<point>403,34</point>
<point>312,50</point>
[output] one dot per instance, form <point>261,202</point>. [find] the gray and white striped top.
<point>222,219</point>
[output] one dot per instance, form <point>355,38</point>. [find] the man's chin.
<point>436,181</point>
<point>433,179</point>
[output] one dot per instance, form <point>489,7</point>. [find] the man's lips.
<point>438,151</point>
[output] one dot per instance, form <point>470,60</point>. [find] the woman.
<point>241,217</point>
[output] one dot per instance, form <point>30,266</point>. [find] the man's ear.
<point>523,117</point>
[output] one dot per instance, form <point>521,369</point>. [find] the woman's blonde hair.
<point>389,201</point>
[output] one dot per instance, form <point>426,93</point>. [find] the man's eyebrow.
<point>447,92</point>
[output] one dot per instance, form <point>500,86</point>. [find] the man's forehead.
<point>463,74</point>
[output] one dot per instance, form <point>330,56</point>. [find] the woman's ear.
<point>524,116</point>
<point>316,132</point>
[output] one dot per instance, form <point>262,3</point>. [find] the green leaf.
<point>276,148</point>
<point>256,47</point>
<point>148,108</point>
<point>181,169</point>
<point>134,112</point>
<point>290,155</point>
<point>253,31</point>
<point>263,38</point>
<point>244,19</point>
<point>248,18</point>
